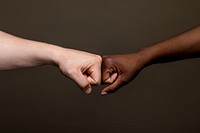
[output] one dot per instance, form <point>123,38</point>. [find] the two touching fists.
<point>88,69</point>
<point>117,70</point>
<point>85,69</point>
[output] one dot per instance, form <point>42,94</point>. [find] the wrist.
<point>47,54</point>
<point>147,55</point>
<point>53,55</point>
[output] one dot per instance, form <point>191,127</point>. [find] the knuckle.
<point>108,60</point>
<point>98,82</point>
<point>95,82</point>
<point>98,58</point>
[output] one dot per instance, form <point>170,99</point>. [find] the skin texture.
<point>82,67</point>
<point>118,70</point>
<point>85,68</point>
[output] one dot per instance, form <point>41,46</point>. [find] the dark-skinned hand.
<point>118,70</point>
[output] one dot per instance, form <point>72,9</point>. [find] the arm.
<point>118,70</point>
<point>82,67</point>
<point>183,46</point>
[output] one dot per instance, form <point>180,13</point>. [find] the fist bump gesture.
<point>82,67</point>
<point>87,69</point>
<point>118,70</point>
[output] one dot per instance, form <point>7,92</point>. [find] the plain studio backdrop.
<point>164,98</point>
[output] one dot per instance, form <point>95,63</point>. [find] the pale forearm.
<point>16,52</point>
<point>82,67</point>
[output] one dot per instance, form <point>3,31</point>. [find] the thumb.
<point>82,82</point>
<point>112,87</point>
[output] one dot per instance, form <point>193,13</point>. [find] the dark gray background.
<point>163,98</point>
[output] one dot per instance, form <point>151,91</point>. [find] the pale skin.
<point>82,67</point>
<point>118,70</point>
<point>85,68</point>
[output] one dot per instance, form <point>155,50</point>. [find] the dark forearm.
<point>183,46</point>
<point>118,70</point>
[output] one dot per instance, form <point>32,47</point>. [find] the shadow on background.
<point>162,99</point>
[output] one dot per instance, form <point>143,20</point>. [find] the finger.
<point>92,81</point>
<point>106,69</point>
<point>111,78</point>
<point>94,73</point>
<point>105,72</point>
<point>82,82</point>
<point>108,74</point>
<point>112,87</point>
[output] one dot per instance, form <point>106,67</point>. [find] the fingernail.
<point>88,90</point>
<point>104,93</point>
